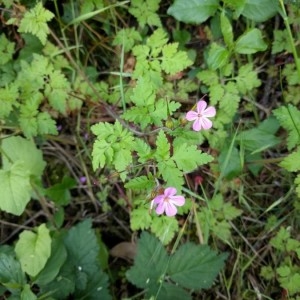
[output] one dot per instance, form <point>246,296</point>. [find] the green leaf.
<point>54,263</point>
<point>257,139</point>
<point>250,42</point>
<point>292,161</point>
<point>145,12</point>
<point>193,11</point>
<point>11,274</point>
<point>164,228</point>
<point>226,29</point>
<point>140,218</point>
<point>27,294</point>
<point>163,147</point>
<point>113,146</point>
<point>171,174</point>
<point>8,99</point>
<point>127,38</point>
<point>281,42</point>
<point>247,79</point>
<point>194,266</point>
<point>15,188</point>
<point>7,50</point>
<point>174,61</point>
<point>83,252</point>
<point>140,183</point>
<point>35,22</point>
<point>230,162</point>
<point>60,192</point>
<point>260,10</point>
<point>20,149</point>
<point>34,249</point>
<point>149,264</point>
<point>289,119</point>
<point>218,57</point>
<point>188,158</point>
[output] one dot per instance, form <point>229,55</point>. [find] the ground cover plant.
<point>149,149</point>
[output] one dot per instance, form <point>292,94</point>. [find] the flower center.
<point>199,115</point>
<point>166,199</point>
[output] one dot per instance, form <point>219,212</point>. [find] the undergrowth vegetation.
<point>149,149</point>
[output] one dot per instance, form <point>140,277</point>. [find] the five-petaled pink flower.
<point>167,202</point>
<point>200,117</point>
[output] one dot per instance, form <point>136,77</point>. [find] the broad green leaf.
<point>27,294</point>
<point>60,192</point>
<point>35,22</point>
<point>149,264</point>
<point>188,158</point>
<point>250,42</point>
<point>195,266</point>
<point>218,56</point>
<point>171,291</point>
<point>34,249</point>
<point>83,251</point>
<point>193,11</point>
<point>230,162</point>
<point>18,148</point>
<point>11,274</point>
<point>15,188</point>
<point>260,10</point>
<point>226,29</point>
<point>54,263</point>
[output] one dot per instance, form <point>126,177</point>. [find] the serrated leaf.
<point>83,250</point>
<point>140,183</point>
<point>292,161</point>
<point>15,188</point>
<point>127,38</point>
<point>174,61</point>
<point>250,42</point>
<point>193,11</point>
<point>140,218</point>
<point>20,149</point>
<point>145,12</point>
<point>164,228</point>
<point>226,29</point>
<point>247,79</point>
<point>7,50</point>
<point>143,150</point>
<point>194,266</point>
<point>188,158</point>
<point>149,264</point>
<point>35,22</point>
<point>11,274</point>
<point>34,249</point>
<point>8,99</point>
<point>163,147</point>
<point>289,119</point>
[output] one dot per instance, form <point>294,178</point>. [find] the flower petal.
<point>201,105</point>
<point>160,208</point>
<point>197,124</point>
<point>191,115</point>
<point>209,112</point>
<point>206,123</point>
<point>170,209</point>
<point>177,200</point>
<point>158,199</point>
<point>169,192</point>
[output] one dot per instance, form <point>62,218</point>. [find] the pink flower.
<point>167,202</point>
<point>200,117</point>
